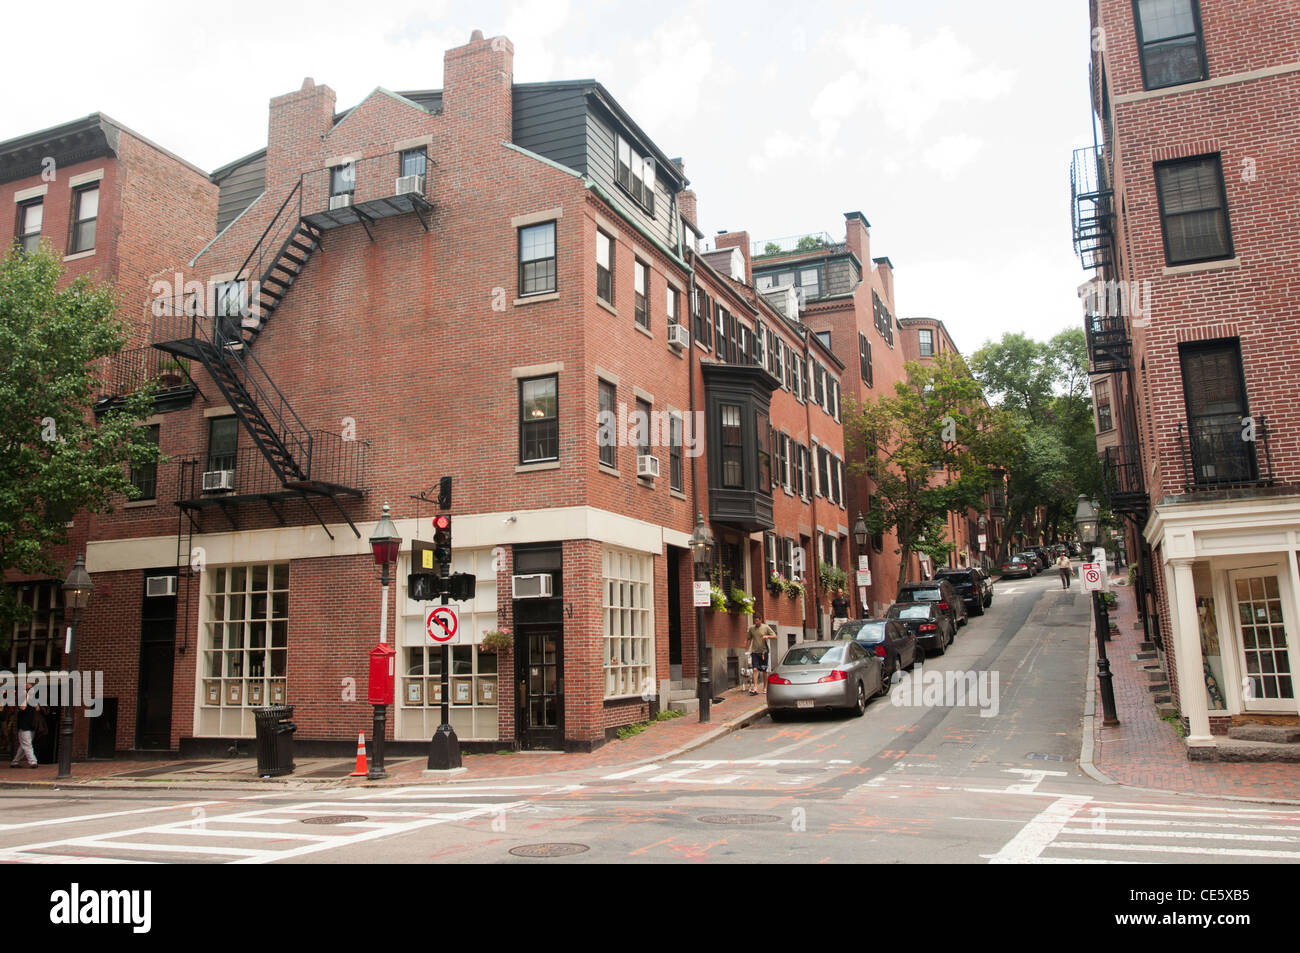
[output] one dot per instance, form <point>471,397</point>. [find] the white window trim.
<point>85,178</point>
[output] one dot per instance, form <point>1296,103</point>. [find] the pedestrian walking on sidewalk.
<point>1063,564</point>
<point>27,711</point>
<point>759,634</point>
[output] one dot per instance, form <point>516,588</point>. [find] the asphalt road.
<point>917,779</point>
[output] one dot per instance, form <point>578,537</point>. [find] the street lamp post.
<point>860,537</point>
<point>701,556</point>
<point>1085,521</point>
<point>76,589</point>
<point>385,543</point>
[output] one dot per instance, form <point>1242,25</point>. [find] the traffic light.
<point>423,586</point>
<point>442,542</point>
<point>461,586</point>
<point>444,493</point>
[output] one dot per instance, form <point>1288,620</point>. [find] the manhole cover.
<point>334,819</point>
<point>549,850</point>
<point>739,818</point>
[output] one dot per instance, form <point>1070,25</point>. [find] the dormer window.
<point>635,173</point>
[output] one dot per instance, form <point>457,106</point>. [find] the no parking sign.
<point>1093,576</point>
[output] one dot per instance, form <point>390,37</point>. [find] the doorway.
<point>153,724</point>
<point>674,613</point>
<point>539,677</point>
<point>1262,641</point>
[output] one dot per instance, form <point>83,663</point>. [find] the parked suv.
<point>973,585</point>
<point>933,629</point>
<point>939,591</point>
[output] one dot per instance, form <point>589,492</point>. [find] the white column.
<point>1192,698</point>
<point>1293,631</point>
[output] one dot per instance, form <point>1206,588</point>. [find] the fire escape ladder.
<point>1092,209</point>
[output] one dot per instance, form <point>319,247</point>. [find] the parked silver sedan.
<point>824,675</point>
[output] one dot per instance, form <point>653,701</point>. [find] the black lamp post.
<point>860,537</point>
<point>1085,522</point>
<point>701,556</point>
<point>76,596</point>
<point>385,543</point>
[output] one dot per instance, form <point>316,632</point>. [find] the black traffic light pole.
<point>444,747</point>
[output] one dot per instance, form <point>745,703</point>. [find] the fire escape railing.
<point>1092,209</point>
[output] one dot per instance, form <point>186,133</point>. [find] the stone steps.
<point>1274,734</point>
<point>687,706</point>
<point>1237,750</point>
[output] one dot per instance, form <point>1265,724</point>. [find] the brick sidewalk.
<point>1148,752</point>
<point>661,740</point>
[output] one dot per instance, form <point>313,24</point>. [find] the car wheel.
<point>918,653</point>
<point>861,707</point>
<point>887,672</point>
<point>943,646</point>
<point>979,608</point>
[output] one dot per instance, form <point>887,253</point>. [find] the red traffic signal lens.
<point>442,522</point>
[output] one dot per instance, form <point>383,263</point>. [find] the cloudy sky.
<point>949,124</point>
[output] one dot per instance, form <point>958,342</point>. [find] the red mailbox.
<point>383,662</point>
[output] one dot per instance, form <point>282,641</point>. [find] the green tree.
<point>56,459</point>
<point>1044,387</point>
<point>928,448</point>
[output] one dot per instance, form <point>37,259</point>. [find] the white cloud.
<point>950,154</point>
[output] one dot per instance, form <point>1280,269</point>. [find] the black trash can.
<point>274,740</point>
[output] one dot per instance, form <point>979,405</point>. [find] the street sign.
<point>984,540</point>
<point>864,577</point>
<point>864,563</point>
<point>441,624</point>
<point>702,598</point>
<point>422,556</point>
<point>862,594</point>
<point>1093,576</point>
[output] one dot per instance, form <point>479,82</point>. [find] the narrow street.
<point>995,781</point>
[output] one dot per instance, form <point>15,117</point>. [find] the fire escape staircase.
<point>1092,209</point>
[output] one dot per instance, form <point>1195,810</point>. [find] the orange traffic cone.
<point>361,770</point>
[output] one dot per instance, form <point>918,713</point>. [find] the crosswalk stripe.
<point>1186,835</point>
<point>1175,849</point>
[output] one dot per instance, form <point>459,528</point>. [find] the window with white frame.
<point>635,173</point>
<point>628,608</point>
<point>245,642</point>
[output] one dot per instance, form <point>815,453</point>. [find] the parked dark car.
<point>936,590</point>
<point>824,675</point>
<point>973,585</point>
<point>886,639</point>
<point>1017,567</point>
<point>933,629</point>
<point>1032,558</point>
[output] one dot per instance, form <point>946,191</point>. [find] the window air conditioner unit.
<point>535,586</point>
<point>160,586</point>
<point>409,183</point>
<point>647,466</point>
<point>678,336</point>
<point>340,201</point>
<point>214,481</point>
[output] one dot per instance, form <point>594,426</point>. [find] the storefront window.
<point>629,623</point>
<point>245,646</point>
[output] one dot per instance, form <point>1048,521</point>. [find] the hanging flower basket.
<point>498,640</point>
<point>793,588</point>
<point>741,602</point>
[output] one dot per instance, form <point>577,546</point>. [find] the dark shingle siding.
<point>239,186</point>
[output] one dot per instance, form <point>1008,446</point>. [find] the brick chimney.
<point>298,124</point>
<point>737,240</point>
<point>857,234</point>
<point>477,81</point>
<point>885,270</point>
<point>688,206</point>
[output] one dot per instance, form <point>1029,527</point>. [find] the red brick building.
<point>119,209</point>
<point>1186,210</point>
<point>494,281</point>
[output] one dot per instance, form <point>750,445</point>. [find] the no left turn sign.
<point>442,623</point>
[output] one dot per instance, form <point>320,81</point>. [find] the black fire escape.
<point>288,461</point>
<point>1092,209</point>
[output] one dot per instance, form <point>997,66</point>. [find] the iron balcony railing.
<point>1223,451</point>
<point>1122,479</point>
<point>129,370</point>
<point>376,186</point>
<point>1092,209</point>
<point>335,464</point>
<point>1109,345</point>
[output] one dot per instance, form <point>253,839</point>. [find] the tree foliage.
<point>928,447</point>
<point>55,458</point>
<point>1044,387</point>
